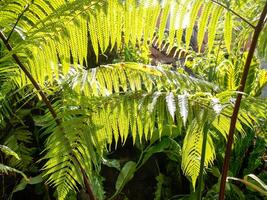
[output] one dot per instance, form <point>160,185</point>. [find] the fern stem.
<point>238,100</point>
<point>49,106</point>
<point>235,13</point>
<point>19,17</point>
<point>202,162</point>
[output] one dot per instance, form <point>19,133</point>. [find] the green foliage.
<point>110,22</point>
<point>108,104</point>
<point>126,174</point>
<point>129,100</point>
<point>6,169</point>
<point>192,148</point>
<point>19,140</point>
<point>160,181</point>
<point>9,151</point>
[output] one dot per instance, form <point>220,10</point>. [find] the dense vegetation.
<point>131,99</point>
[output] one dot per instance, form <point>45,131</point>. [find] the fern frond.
<point>203,23</point>
<point>163,20</point>
<point>7,170</point>
<point>215,15</point>
<point>130,77</point>
<point>18,140</point>
<point>193,15</point>
<point>9,151</point>
<point>191,152</point>
<point>183,105</point>
<point>171,104</point>
<point>228,31</point>
<point>110,23</point>
<point>65,156</point>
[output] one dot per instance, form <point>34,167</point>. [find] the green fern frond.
<point>18,140</point>
<point>123,106</point>
<point>9,151</point>
<point>215,15</point>
<point>163,20</point>
<point>191,151</point>
<point>203,23</point>
<point>7,170</point>
<point>130,77</point>
<point>59,31</point>
<point>228,31</point>
<point>171,104</point>
<point>65,156</point>
<point>193,15</point>
<point>183,105</point>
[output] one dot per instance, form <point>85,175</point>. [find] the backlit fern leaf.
<point>228,31</point>
<point>54,32</point>
<point>94,121</point>
<point>191,152</point>
<point>183,105</point>
<point>215,15</point>
<point>163,20</point>
<point>179,26</point>
<point>66,156</point>
<point>7,170</point>
<point>203,23</point>
<point>171,104</point>
<point>193,15</point>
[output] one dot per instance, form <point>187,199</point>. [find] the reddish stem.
<point>252,48</point>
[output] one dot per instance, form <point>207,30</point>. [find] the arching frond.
<point>191,152</point>
<point>53,32</point>
<point>7,170</point>
<point>115,102</point>
<point>65,157</point>
<point>9,151</point>
<point>19,140</point>
<point>129,77</point>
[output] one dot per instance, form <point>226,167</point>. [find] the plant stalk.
<point>235,13</point>
<point>49,106</point>
<point>252,48</point>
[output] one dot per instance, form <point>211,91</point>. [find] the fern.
<point>215,15</point>
<point>115,101</point>
<point>7,170</point>
<point>160,181</point>
<point>171,104</point>
<point>145,114</point>
<point>228,31</point>
<point>70,22</point>
<point>191,152</point>
<point>18,140</point>
<point>62,170</point>
<point>183,105</point>
<point>9,151</point>
<point>202,23</point>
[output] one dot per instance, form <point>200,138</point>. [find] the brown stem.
<point>252,48</point>
<point>19,17</point>
<point>49,106</point>
<point>235,13</point>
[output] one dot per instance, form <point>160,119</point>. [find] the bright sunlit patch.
<point>179,14</point>
<point>150,3</point>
